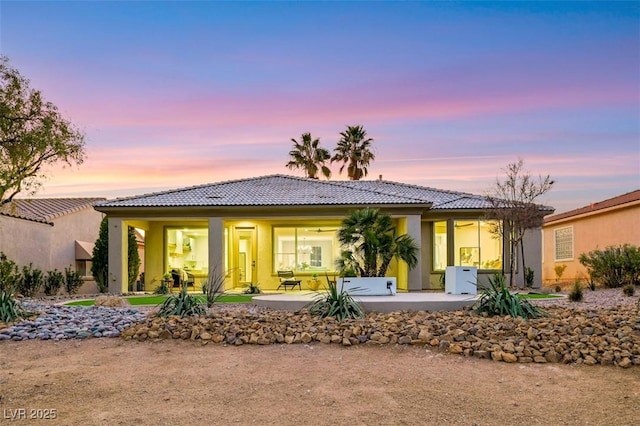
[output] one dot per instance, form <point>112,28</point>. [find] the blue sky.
<point>172,94</point>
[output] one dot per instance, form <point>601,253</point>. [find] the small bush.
<point>576,292</point>
<point>30,281</point>
<point>559,270</point>
<point>528,277</point>
<point>252,289</point>
<point>614,266</point>
<point>334,303</point>
<point>497,300</point>
<point>163,288</point>
<point>558,289</point>
<point>629,290</point>
<point>52,282</point>
<point>72,280</point>
<point>181,304</point>
<point>8,273</point>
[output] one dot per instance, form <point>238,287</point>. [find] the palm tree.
<point>371,243</point>
<point>354,150</point>
<point>309,156</point>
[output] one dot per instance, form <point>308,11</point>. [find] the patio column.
<point>118,270</point>
<point>414,230</point>
<point>216,245</point>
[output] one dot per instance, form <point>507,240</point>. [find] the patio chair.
<point>288,279</point>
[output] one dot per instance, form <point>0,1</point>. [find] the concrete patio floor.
<point>415,301</point>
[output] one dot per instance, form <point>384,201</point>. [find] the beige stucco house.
<point>52,233</point>
<point>251,228</point>
<point>566,236</point>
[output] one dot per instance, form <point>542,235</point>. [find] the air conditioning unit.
<point>461,280</point>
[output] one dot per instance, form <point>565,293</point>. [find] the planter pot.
<point>313,284</point>
<point>368,286</point>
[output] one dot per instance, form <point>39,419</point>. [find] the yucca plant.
<point>213,289</point>
<point>10,309</point>
<point>498,300</point>
<point>333,303</point>
<point>181,304</point>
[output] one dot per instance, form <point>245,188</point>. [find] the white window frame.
<point>555,244</point>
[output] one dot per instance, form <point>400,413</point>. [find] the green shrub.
<point>72,280</point>
<point>52,282</point>
<point>528,277</point>
<point>576,292</point>
<point>181,304</point>
<point>497,300</point>
<point>8,273</point>
<point>334,303</point>
<point>163,288</point>
<point>30,281</point>
<point>10,309</point>
<point>614,266</point>
<point>252,289</point>
<point>629,290</point>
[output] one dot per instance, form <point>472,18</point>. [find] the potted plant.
<point>372,242</point>
<point>313,282</point>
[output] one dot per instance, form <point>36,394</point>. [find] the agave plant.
<point>334,303</point>
<point>10,309</point>
<point>181,304</point>
<point>498,300</point>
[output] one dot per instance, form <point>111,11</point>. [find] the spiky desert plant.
<point>498,300</point>
<point>335,303</point>
<point>181,304</point>
<point>213,289</point>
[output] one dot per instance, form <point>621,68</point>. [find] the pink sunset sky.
<point>173,94</point>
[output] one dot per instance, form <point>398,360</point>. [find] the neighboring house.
<point>566,236</point>
<point>251,228</point>
<point>51,233</point>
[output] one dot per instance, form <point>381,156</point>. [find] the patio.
<point>414,301</point>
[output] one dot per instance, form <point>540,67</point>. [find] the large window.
<point>564,243</point>
<point>475,244</point>
<point>305,249</point>
<point>187,253</point>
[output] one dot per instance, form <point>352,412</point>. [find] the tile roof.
<point>283,190</point>
<point>45,210</point>
<point>620,200</point>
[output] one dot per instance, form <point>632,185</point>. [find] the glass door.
<point>245,257</point>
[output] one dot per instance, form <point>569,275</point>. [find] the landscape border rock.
<point>608,336</point>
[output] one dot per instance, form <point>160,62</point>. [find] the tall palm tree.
<point>308,155</point>
<point>354,150</point>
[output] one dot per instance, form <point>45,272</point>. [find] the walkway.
<point>418,301</point>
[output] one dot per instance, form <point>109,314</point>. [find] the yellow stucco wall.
<point>599,230</point>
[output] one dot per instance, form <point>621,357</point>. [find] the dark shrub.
<point>497,300</point>
<point>30,281</point>
<point>52,282</point>
<point>614,266</point>
<point>72,280</point>
<point>576,292</point>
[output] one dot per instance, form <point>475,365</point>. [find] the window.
<point>187,252</point>
<point>83,267</point>
<point>305,249</point>
<point>564,243</point>
<point>440,246</point>
<point>476,245</point>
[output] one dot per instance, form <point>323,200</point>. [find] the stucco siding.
<point>590,232</point>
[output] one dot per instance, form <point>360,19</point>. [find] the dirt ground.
<point>113,382</point>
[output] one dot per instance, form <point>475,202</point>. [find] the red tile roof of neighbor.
<point>620,200</point>
<point>44,210</point>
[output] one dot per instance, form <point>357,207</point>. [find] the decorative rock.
<point>509,357</point>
